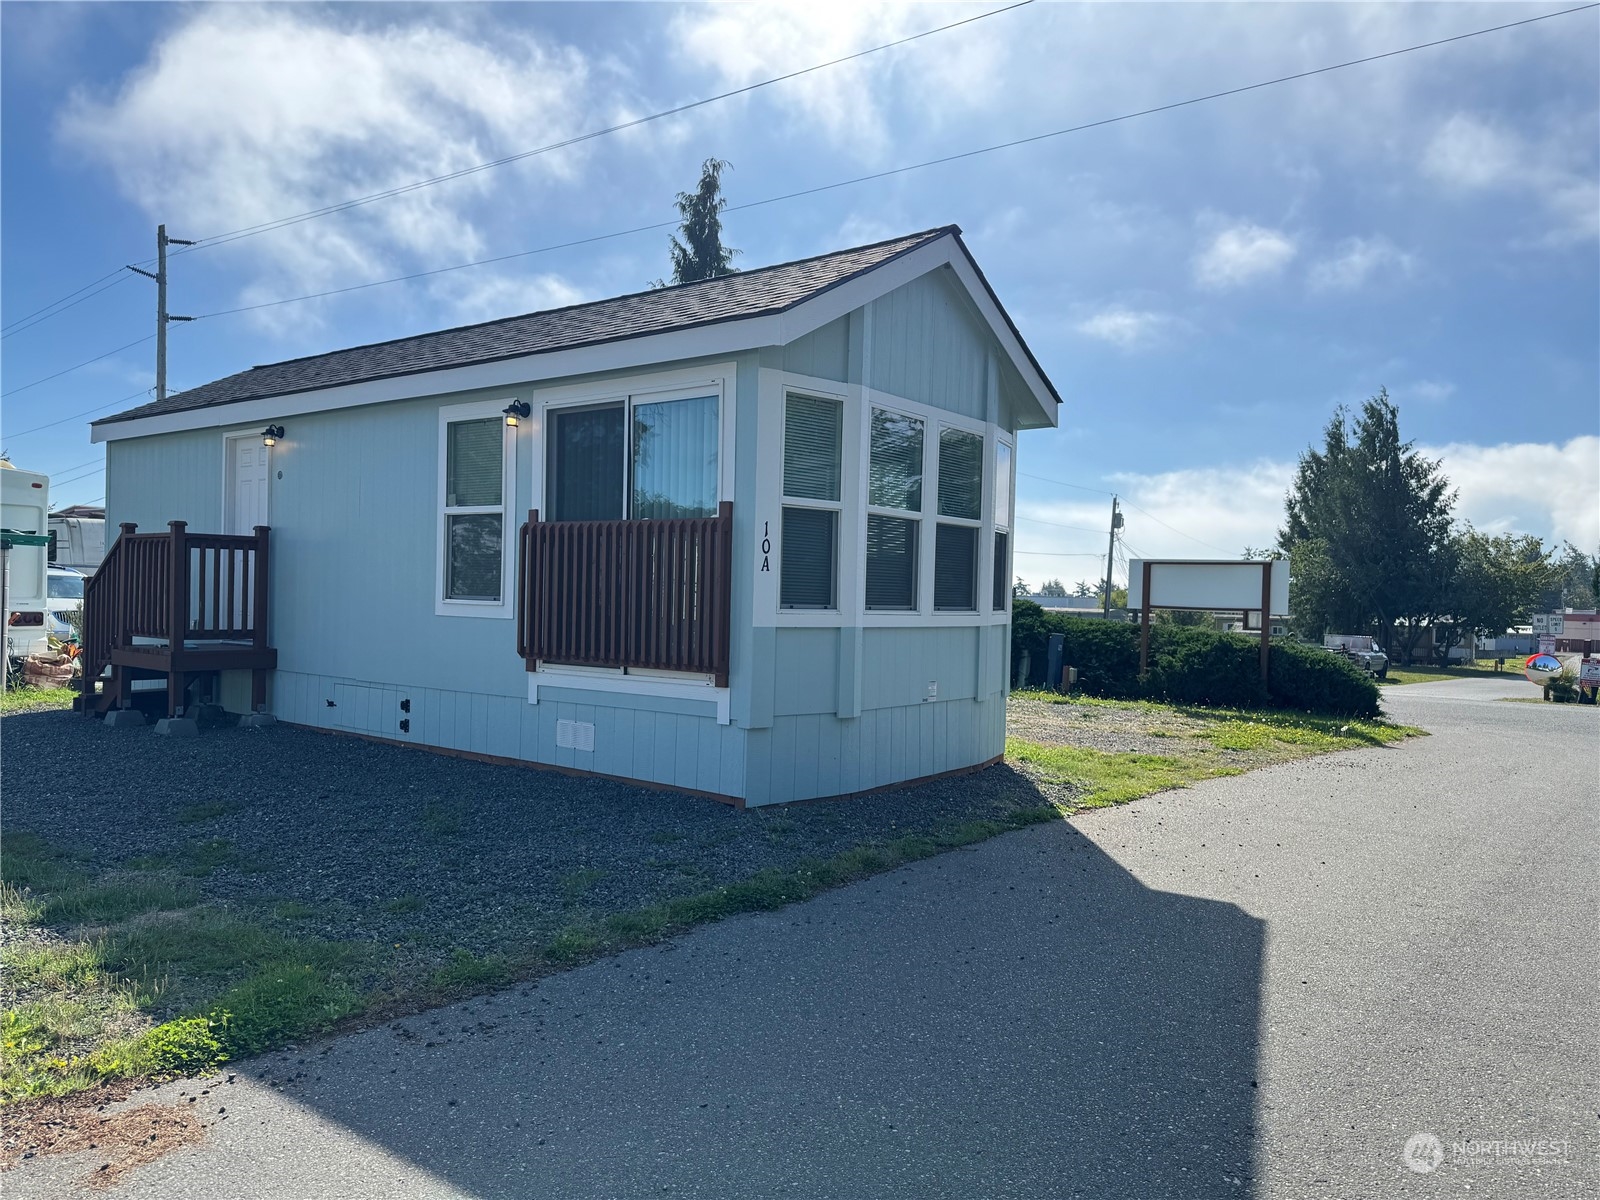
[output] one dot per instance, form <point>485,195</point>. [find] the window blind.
<point>960,474</point>
<point>806,578</point>
<point>955,568</point>
<point>474,460</point>
<point>811,448</point>
<point>896,470</point>
<point>891,562</point>
<point>675,458</point>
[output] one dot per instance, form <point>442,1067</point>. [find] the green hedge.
<point>1189,665</point>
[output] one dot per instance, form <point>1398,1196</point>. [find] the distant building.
<point>1077,606</point>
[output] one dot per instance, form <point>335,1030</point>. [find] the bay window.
<point>894,511</point>
<point>955,555</point>
<point>813,430</point>
<point>1002,526</point>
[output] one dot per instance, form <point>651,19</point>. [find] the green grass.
<point>1099,779</point>
<point>131,976</point>
<point>403,904</point>
<point>1426,673</point>
<point>34,699</point>
<point>466,971</point>
<point>293,910</point>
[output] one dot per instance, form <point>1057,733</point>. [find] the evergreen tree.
<point>701,254</point>
<point>1368,532</point>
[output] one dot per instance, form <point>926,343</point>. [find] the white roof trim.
<point>723,338</point>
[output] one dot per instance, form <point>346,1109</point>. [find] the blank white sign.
<point>1207,584</point>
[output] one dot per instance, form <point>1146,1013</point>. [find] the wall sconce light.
<point>515,411</point>
<point>271,434</point>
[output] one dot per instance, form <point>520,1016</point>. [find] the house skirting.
<point>679,746</point>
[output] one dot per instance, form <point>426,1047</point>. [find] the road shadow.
<point>1023,1018</point>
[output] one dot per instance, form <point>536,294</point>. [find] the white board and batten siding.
<point>813,708</point>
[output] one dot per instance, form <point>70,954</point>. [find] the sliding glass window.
<point>643,459</point>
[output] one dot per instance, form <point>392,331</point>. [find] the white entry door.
<point>249,471</point>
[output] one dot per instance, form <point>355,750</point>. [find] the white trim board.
<point>630,685</point>
<point>727,337</point>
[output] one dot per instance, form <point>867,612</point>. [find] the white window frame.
<point>504,608</point>
<point>1009,441</point>
<point>983,522</point>
<point>918,517</point>
<point>837,507</point>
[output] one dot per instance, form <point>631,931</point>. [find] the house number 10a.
<point>766,545</point>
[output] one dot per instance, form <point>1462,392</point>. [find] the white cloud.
<point>1429,391</point>
<point>1124,328</point>
<point>1241,254</point>
<point>1358,260</point>
<point>478,296</point>
<point>1468,153</point>
<point>1548,489</point>
<point>245,114</point>
<point>1552,489</point>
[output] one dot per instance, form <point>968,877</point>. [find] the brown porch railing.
<point>650,594</point>
<point>179,587</point>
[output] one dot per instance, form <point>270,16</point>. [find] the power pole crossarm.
<point>163,318</point>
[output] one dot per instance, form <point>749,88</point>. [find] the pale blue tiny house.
<point>748,537</point>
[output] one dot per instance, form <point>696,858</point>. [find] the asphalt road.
<point>1263,986</point>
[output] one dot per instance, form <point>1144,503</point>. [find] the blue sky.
<point>1205,286</point>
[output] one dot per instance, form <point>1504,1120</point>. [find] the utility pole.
<point>1111,550</point>
<point>162,316</point>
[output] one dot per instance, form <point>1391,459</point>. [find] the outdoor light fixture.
<point>271,434</point>
<point>515,411</point>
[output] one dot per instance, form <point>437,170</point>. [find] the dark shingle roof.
<point>760,292</point>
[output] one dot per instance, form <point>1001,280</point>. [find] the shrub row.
<point>1189,665</point>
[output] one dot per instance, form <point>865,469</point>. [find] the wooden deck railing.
<point>649,594</point>
<point>179,587</point>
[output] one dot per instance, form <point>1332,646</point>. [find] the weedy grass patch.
<point>35,699</point>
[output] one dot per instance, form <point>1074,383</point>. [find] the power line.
<point>117,274</point>
<point>54,482</point>
<point>73,417</point>
<point>76,366</point>
<point>326,210</point>
<point>1180,532</point>
<point>866,179</point>
<point>23,324</point>
<point>248,231</point>
<point>1063,483</point>
<point>1058,525</point>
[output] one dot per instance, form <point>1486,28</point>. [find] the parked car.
<point>64,594</point>
<point>1360,649</point>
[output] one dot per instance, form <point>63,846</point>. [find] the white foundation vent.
<point>575,735</point>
